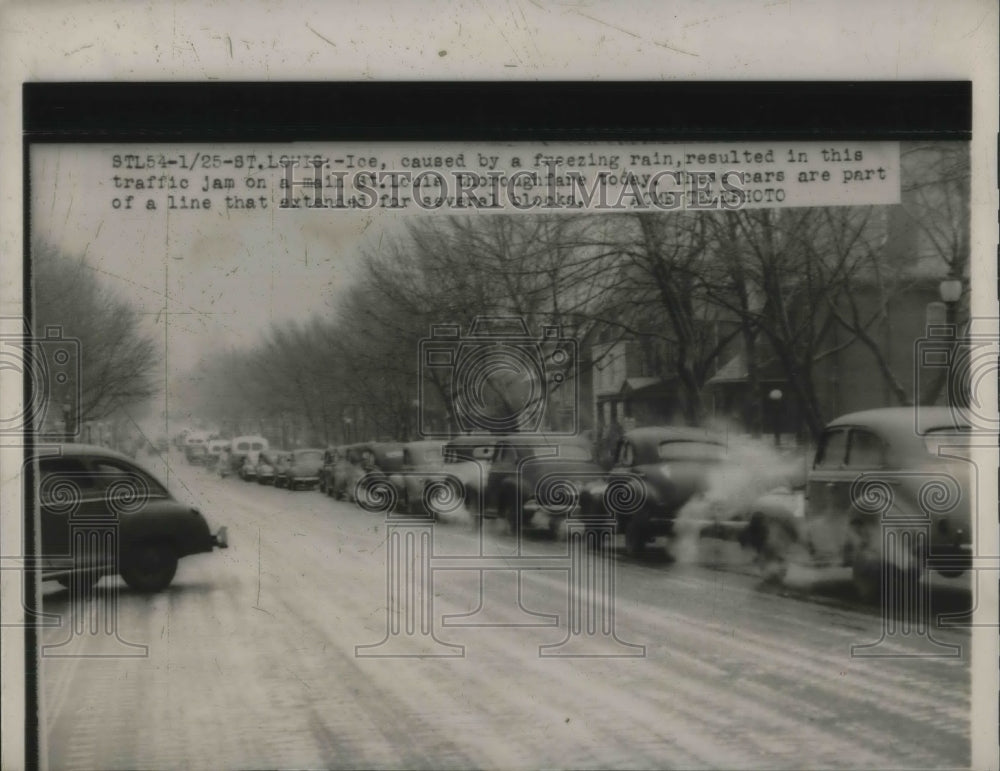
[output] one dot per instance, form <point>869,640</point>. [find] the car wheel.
<point>866,564</point>
<point>150,566</point>
<point>636,534</point>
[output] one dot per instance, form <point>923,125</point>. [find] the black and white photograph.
<point>474,424</point>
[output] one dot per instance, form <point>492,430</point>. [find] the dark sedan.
<point>674,465</point>
<point>371,465</point>
<point>300,469</point>
<point>534,477</point>
<point>101,514</point>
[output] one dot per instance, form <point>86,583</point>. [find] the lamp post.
<point>775,397</point>
<point>950,289</point>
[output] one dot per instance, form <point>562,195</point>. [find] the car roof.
<point>657,434</point>
<point>89,450</point>
<point>73,450</point>
<point>898,420</point>
<point>542,439</point>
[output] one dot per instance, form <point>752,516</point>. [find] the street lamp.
<point>775,397</point>
<point>951,292</point>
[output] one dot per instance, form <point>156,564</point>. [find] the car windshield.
<point>691,450</point>
<point>938,439</point>
<point>309,456</point>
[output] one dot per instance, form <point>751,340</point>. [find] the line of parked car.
<point>667,482</point>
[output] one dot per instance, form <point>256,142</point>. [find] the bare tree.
<point>117,360</point>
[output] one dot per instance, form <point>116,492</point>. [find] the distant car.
<point>301,469</point>
<point>344,471</point>
<point>674,464</point>
<point>195,438</point>
<point>533,474</point>
<point>469,459</point>
<point>196,454</point>
<point>162,445</point>
<point>86,490</point>
<point>372,462</point>
<point>265,469</point>
<point>248,469</point>
<point>421,464</point>
<point>876,459</point>
<point>215,450</point>
<point>331,457</point>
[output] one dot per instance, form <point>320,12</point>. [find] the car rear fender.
<point>182,526</point>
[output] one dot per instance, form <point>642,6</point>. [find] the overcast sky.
<point>222,277</point>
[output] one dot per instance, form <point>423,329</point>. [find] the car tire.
<point>150,567</point>
<point>866,564</point>
<point>636,534</point>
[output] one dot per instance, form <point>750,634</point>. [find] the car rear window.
<point>312,456</point>
<point>832,452</point>
<point>109,472</point>
<point>58,471</point>
<point>691,450</point>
